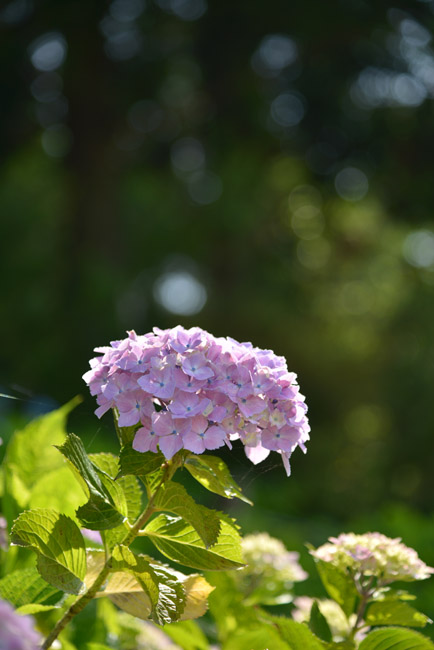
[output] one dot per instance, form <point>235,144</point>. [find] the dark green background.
<point>93,215</point>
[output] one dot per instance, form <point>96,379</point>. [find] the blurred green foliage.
<point>272,159</point>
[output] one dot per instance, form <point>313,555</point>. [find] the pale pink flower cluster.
<point>374,554</point>
<point>188,389</point>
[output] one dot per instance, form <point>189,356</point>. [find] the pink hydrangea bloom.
<point>189,389</point>
<point>17,632</point>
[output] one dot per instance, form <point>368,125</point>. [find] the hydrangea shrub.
<point>66,536</point>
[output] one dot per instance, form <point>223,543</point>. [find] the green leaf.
<point>392,638</point>
<point>126,592</point>
<point>179,541</point>
<point>106,507</point>
<point>173,497</point>
<point>394,612</point>
<point>132,493</point>
<point>163,588</point>
<point>46,493</point>
<point>35,608</point>
<point>138,463</point>
<point>261,637</point>
<point>187,635</point>
<point>59,545</point>
<point>109,463</point>
<point>297,635</point>
<point>339,586</point>
<point>318,623</point>
<point>213,473</point>
<point>26,586</point>
<point>30,455</point>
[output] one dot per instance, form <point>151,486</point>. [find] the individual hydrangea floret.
<point>17,632</point>
<point>374,554</point>
<point>186,389</point>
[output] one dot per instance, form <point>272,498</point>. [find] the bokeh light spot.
<point>287,109</point>
<point>418,248</point>
<point>180,292</point>
<point>351,184</point>
<point>48,52</point>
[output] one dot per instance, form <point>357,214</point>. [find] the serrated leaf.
<point>394,612</point>
<point>297,635</point>
<point>318,623</point>
<point>339,586</point>
<point>262,637</point>
<point>59,545</point>
<point>179,541</point>
<point>30,455</point>
<point>106,507</point>
<point>26,586</point>
<point>173,497</point>
<point>392,638</point>
<point>163,588</point>
<point>132,492</point>
<point>124,590</point>
<point>213,473</point>
<point>197,590</point>
<point>109,463</point>
<point>138,463</point>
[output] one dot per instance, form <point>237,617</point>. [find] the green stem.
<point>83,600</point>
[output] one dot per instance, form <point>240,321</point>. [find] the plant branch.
<point>82,601</point>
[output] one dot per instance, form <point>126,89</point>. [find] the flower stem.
<point>83,600</point>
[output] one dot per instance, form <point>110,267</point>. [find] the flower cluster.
<point>189,389</point>
<point>270,572</point>
<point>268,558</point>
<point>374,554</point>
<point>16,632</point>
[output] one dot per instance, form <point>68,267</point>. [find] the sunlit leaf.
<point>164,590</point>
<point>179,541</point>
<point>106,507</point>
<point>297,635</point>
<point>59,546</point>
<point>213,473</point>
<point>394,612</point>
<point>392,638</point>
<point>173,497</point>
<point>339,586</point>
<point>138,463</point>
<point>26,586</point>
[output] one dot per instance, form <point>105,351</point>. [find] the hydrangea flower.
<point>270,573</point>
<point>374,554</point>
<point>267,557</point>
<point>17,632</point>
<point>188,389</point>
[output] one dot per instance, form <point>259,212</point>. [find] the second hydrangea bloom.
<point>189,389</point>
